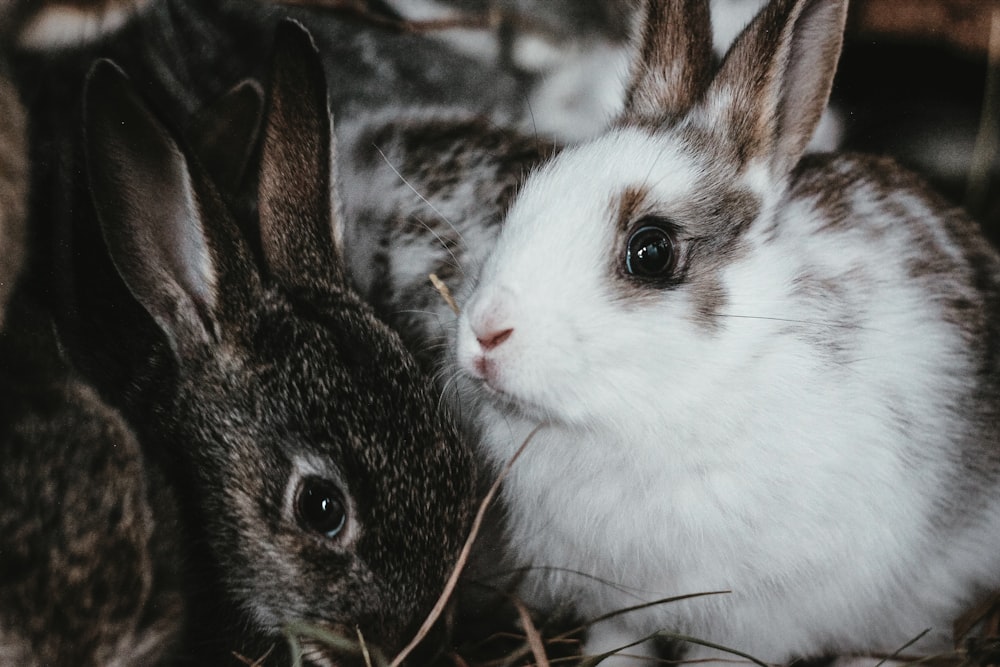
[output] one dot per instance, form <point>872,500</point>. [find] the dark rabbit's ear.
<point>674,64</point>
<point>775,82</point>
<point>224,134</point>
<point>300,222</point>
<point>152,212</point>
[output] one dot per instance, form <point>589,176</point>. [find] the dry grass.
<point>521,640</point>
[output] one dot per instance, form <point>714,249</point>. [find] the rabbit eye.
<point>320,507</point>
<point>650,252</point>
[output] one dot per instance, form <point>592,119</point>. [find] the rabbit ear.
<point>224,134</point>
<point>776,79</point>
<point>152,213</point>
<point>675,60</point>
<point>299,220</point>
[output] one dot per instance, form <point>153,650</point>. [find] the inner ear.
<point>148,209</point>
<point>167,231</point>
<point>815,44</point>
<point>299,216</point>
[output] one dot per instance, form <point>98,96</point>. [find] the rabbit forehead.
<point>581,181</point>
<point>574,215</point>
<point>679,173</point>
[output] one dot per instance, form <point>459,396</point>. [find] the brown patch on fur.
<point>841,311</point>
<point>709,297</point>
<point>626,207</point>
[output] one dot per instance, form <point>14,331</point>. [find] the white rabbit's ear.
<point>674,64</point>
<point>775,82</point>
<point>300,226</point>
<point>152,210</point>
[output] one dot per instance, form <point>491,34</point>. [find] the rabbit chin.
<point>522,385</point>
<point>514,407</point>
<point>543,405</point>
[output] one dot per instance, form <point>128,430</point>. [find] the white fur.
<point>677,459</point>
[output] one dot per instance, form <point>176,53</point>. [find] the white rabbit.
<point>758,373</point>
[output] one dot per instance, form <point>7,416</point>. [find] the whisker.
<point>531,113</point>
<point>455,262</point>
<point>422,198</point>
<point>417,311</point>
<point>813,323</point>
<point>453,380</point>
<point>638,594</point>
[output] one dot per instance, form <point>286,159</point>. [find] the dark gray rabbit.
<point>328,486</point>
<point>86,574</point>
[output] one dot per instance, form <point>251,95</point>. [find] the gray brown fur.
<point>461,172</point>
<point>89,572</point>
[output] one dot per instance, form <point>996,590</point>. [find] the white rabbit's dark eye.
<point>650,252</point>
<point>320,507</point>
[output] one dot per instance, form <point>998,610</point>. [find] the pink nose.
<point>492,339</point>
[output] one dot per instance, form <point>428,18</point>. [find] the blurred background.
<point>920,79</point>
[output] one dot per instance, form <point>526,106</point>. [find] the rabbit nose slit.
<point>484,368</point>
<point>493,339</point>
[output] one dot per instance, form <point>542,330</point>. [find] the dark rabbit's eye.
<point>320,507</point>
<point>650,252</point>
